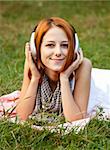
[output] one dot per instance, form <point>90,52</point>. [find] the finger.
<point>79,59</point>
<point>27,48</point>
<point>81,56</point>
<point>30,58</point>
<point>76,61</point>
<point>32,66</point>
<point>73,66</point>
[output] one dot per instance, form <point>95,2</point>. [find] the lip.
<point>60,59</point>
<point>57,60</point>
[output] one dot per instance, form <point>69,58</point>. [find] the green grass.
<point>16,136</point>
<point>17,19</point>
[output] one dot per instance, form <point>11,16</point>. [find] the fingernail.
<point>27,43</point>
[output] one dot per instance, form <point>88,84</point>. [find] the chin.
<point>54,69</point>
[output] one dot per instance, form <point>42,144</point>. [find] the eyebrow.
<point>64,41</point>
<point>54,41</point>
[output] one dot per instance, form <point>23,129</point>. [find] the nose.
<point>58,51</point>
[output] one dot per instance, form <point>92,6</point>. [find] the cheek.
<point>44,55</point>
<point>65,52</point>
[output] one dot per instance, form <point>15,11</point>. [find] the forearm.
<point>26,103</point>
<point>70,108</point>
<point>26,80</point>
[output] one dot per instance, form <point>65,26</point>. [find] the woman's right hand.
<point>30,64</point>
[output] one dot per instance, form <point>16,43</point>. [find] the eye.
<point>64,45</point>
<point>50,45</point>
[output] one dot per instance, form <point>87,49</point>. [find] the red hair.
<point>43,26</point>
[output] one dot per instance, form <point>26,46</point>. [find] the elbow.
<point>74,118</point>
<point>21,115</point>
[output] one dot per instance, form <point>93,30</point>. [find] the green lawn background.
<point>17,19</point>
<point>91,20</point>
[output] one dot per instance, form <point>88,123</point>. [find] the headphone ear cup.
<point>32,45</point>
<point>77,46</point>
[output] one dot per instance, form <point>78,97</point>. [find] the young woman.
<point>57,78</point>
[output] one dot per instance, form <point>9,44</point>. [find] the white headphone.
<point>33,47</point>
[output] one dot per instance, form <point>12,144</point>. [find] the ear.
<point>32,45</point>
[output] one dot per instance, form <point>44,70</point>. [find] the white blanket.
<point>100,90</point>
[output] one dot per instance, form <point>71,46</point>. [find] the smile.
<point>56,59</point>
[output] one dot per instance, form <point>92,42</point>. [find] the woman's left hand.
<point>71,69</point>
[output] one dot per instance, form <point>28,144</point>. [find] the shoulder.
<point>85,67</point>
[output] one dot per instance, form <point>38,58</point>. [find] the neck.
<point>53,75</point>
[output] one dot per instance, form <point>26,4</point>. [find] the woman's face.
<point>54,49</point>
